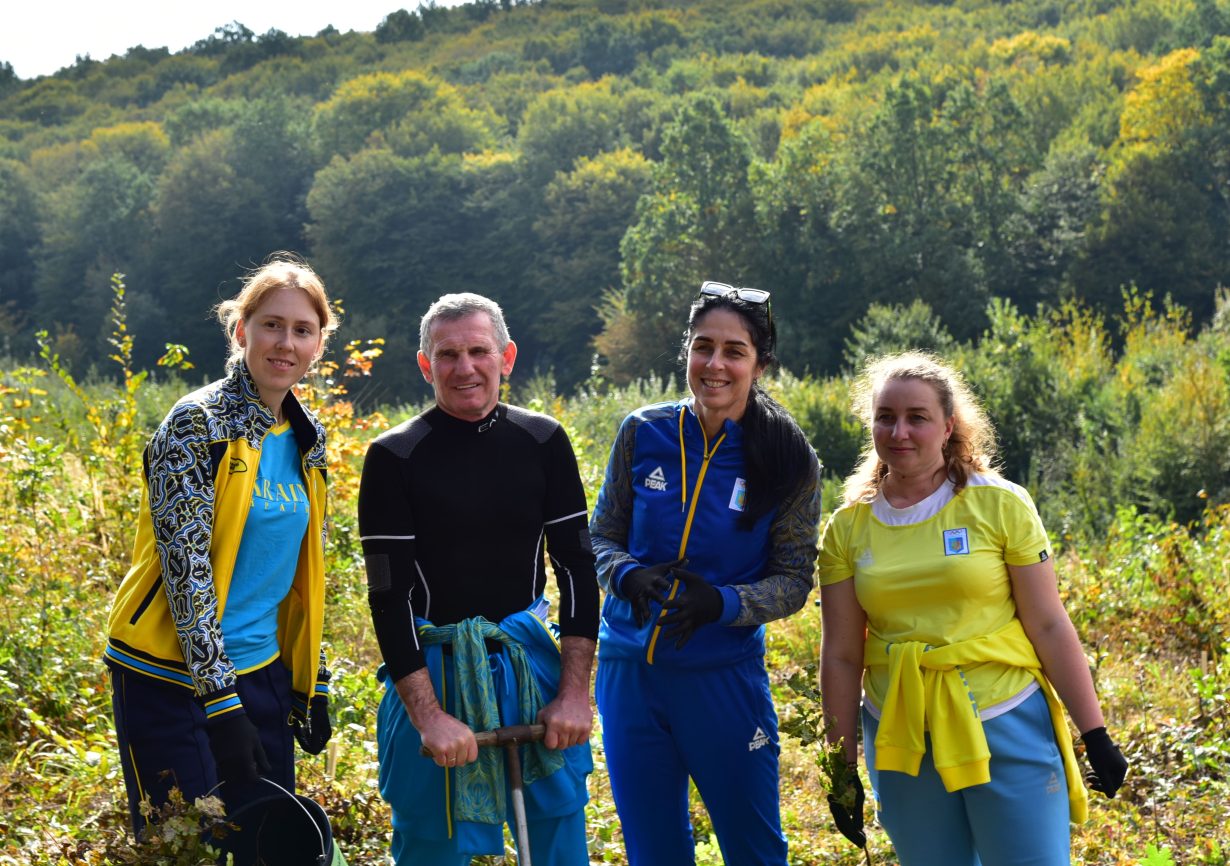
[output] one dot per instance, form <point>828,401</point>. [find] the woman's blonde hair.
<point>281,270</point>
<point>970,448</point>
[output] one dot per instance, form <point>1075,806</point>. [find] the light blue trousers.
<point>1019,818</point>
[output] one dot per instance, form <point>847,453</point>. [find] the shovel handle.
<point>507,735</point>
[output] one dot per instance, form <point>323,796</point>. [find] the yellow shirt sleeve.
<point>833,564</point>
<point>1026,541</point>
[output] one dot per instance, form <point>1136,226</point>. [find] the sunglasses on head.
<point>714,289</point>
<point>721,290</point>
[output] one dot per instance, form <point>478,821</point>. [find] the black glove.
<point>850,823</point>
<point>315,732</point>
<point>237,749</point>
<point>1109,765</point>
<point>643,585</point>
<point>698,602</point>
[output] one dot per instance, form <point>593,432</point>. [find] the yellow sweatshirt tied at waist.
<point>927,694</point>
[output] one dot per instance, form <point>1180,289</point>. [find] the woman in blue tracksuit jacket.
<point>704,530</point>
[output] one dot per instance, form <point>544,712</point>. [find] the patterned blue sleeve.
<point>608,528</point>
<point>790,573</point>
<point>181,497</point>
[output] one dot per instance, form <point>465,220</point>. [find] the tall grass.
<point>1148,587</point>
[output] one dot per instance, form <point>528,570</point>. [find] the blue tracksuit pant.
<point>662,725</point>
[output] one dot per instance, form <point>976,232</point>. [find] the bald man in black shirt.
<point>454,508</point>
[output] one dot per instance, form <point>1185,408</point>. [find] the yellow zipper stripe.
<point>687,523</point>
<point>132,756</point>
<point>448,796</point>
<point>683,462</point>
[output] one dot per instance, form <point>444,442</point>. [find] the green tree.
<point>1048,230</point>
<point>1041,380</point>
<point>97,225</point>
<point>200,116</point>
<point>806,263</point>
<point>47,102</point>
<point>1165,220</point>
<point>390,234</point>
<point>225,202</point>
<point>19,236</point>
<point>448,126</point>
<point>412,109</point>
<point>903,213</point>
<point>561,126</point>
<point>1163,229</point>
<point>614,46</point>
<point>585,214</point>
<point>8,78</point>
<point>400,26</point>
<point>696,223</point>
<point>144,144</point>
<point>885,329</point>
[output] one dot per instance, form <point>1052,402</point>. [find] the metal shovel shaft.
<point>510,737</point>
<point>518,797</point>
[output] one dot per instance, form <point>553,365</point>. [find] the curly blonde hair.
<point>970,448</point>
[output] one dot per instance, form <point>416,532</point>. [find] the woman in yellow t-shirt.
<point>941,612</point>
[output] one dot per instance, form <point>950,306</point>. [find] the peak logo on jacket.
<point>656,480</point>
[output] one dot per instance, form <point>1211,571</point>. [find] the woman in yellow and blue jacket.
<point>214,639</point>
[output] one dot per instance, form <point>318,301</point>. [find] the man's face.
<point>466,365</point>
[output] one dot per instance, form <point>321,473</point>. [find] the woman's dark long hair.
<point>777,457</point>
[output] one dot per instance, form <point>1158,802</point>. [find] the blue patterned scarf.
<point>479,792</point>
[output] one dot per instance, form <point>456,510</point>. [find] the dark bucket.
<point>281,829</point>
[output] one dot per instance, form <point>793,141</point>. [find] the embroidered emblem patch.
<point>738,495</point>
<point>956,541</point>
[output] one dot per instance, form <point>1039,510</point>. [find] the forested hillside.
<point>589,162</point>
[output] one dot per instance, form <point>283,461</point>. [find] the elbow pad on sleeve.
<point>379,573</point>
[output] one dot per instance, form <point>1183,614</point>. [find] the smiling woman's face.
<point>281,338</point>
<point>909,427</point>
<point>722,365</point>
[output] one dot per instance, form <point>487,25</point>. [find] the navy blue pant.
<point>163,741</point>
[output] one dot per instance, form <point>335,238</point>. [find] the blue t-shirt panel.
<point>268,553</point>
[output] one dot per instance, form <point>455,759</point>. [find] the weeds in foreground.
<point>805,722</point>
<point>1149,595</point>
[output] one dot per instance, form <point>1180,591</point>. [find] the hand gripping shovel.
<point>510,737</point>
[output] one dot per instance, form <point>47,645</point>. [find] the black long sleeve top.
<point>453,515</point>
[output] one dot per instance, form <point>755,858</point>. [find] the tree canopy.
<point>588,162</point>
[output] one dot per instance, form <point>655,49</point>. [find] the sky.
<point>39,37</point>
